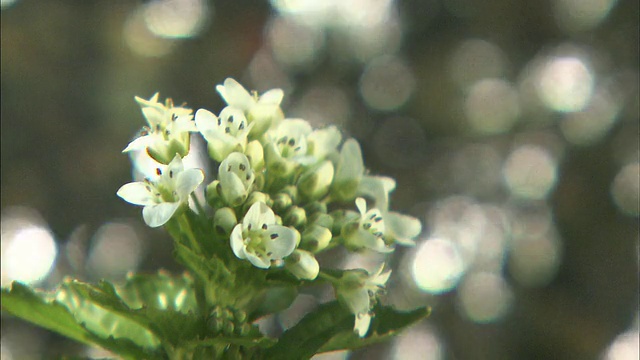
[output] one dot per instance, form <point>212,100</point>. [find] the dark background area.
<point>420,84</point>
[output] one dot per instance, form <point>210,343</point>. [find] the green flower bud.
<point>240,316</point>
<point>315,238</point>
<point>281,202</point>
<point>302,264</point>
<point>321,219</point>
<point>296,217</point>
<point>236,178</point>
<point>228,328</point>
<point>224,220</point>
<point>212,194</point>
<point>254,197</point>
<point>315,208</point>
<point>292,191</point>
<point>255,154</point>
<point>315,183</point>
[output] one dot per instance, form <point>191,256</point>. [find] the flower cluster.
<point>283,193</point>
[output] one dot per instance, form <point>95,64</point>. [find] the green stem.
<point>325,276</point>
<point>199,207</point>
<point>185,228</point>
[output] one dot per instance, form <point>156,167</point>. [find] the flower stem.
<point>325,276</point>
<point>185,228</point>
<point>199,207</point>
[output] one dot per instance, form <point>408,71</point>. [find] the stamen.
<point>367,226</point>
<point>230,120</point>
<point>241,126</point>
<point>171,173</point>
<point>373,216</point>
<point>158,171</point>
<point>229,168</point>
<point>274,236</point>
<point>264,226</point>
<point>174,117</point>
<point>242,167</point>
<point>378,219</point>
<point>292,142</point>
<point>248,177</point>
<point>219,122</point>
<point>227,130</point>
<point>249,227</point>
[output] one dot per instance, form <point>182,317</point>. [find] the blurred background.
<point>510,126</point>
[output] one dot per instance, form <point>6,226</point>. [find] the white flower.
<point>368,232</point>
<point>399,228</point>
<point>294,143</point>
<point>224,134</point>
<point>167,133</point>
<point>236,178</point>
<point>260,240</point>
<point>358,290</point>
<point>262,111</point>
<point>164,195</point>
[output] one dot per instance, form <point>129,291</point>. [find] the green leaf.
<point>303,340</point>
<point>387,322</point>
<point>330,328</point>
<point>22,302</point>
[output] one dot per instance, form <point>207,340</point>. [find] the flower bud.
<point>281,202</point>
<point>315,183</point>
<point>315,238</point>
<point>292,191</point>
<point>302,264</point>
<point>212,194</point>
<point>315,208</point>
<point>321,219</point>
<point>236,178</point>
<point>296,217</point>
<point>254,197</point>
<point>255,154</point>
<point>224,220</point>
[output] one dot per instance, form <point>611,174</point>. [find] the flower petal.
<point>363,321</point>
<point>362,206</point>
<point>136,193</point>
<point>158,214</point>
<point>272,97</point>
<point>187,182</point>
<point>140,143</point>
<point>258,261</point>
<point>402,228</point>
<point>237,242</point>
<point>235,94</point>
<point>281,241</point>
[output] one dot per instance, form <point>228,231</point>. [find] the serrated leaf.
<point>303,340</point>
<point>330,328</point>
<point>24,303</point>
<point>387,323</point>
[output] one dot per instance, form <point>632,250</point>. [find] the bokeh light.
<point>115,250</point>
<point>387,83</point>
<point>624,347</point>
<point>530,172</point>
<point>437,266</point>
<point>294,44</point>
<point>176,18</point>
<point>565,83</point>
<point>593,122</point>
<point>476,59</point>
<point>29,249</point>
<point>581,15</point>
<point>492,106</point>
<point>625,189</point>
<point>484,297</point>
<point>418,343</point>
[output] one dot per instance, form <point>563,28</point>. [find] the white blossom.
<point>165,194</point>
<point>260,239</point>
